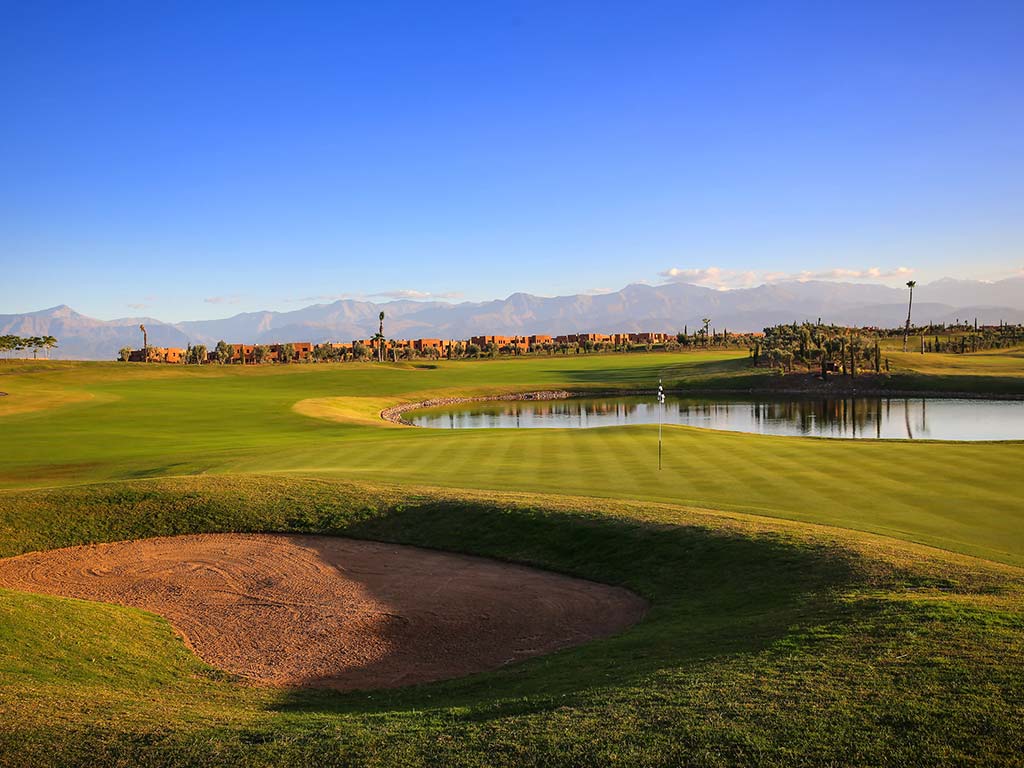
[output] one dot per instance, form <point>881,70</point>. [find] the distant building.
<point>157,355</point>
<point>245,354</point>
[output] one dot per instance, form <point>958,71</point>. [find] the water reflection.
<point>879,418</point>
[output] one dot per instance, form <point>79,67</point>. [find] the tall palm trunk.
<point>910,305</point>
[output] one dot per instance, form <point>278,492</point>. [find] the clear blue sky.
<point>192,160</point>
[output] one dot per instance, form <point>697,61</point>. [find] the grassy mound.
<point>768,642</point>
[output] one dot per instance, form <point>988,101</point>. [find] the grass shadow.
<point>712,593</point>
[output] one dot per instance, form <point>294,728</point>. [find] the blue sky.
<point>194,160</point>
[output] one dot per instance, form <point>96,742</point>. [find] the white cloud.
<point>222,299</point>
<point>713,277</point>
<point>597,291</point>
<point>725,279</point>
<point>138,306</point>
<point>871,273</point>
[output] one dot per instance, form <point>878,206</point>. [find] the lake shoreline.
<point>395,414</point>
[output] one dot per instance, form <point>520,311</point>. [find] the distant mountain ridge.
<point>637,307</point>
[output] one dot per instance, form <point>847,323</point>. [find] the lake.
<point>851,418</point>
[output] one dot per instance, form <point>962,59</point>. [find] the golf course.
<point>806,601</point>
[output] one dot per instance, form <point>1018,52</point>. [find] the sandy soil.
<point>333,612</point>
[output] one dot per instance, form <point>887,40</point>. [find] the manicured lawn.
<point>782,631</point>
<point>149,421</point>
<point>767,643</point>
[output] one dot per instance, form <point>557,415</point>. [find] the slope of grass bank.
<point>768,643</point>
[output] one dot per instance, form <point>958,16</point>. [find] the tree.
<point>910,304</point>
<point>145,337</point>
<point>124,354</point>
<point>223,352</point>
<point>707,325</point>
<point>49,342</point>
<point>288,352</point>
<point>379,339</point>
<point>260,353</point>
<point>197,354</point>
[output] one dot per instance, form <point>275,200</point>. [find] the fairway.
<point>97,422</point>
<point>805,601</point>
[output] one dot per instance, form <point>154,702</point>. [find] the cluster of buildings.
<point>300,351</point>
<point>526,343</point>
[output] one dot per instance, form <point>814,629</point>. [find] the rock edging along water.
<point>394,413</point>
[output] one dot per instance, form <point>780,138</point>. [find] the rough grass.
<point>768,643</point>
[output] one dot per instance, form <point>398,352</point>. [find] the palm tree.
<point>910,304</point>
<point>707,324</point>
<point>379,339</point>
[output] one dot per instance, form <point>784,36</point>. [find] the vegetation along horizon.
<point>812,601</point>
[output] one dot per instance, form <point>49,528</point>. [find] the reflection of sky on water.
<point>866,417</point>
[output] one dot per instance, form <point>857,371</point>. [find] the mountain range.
<point>636,307</point>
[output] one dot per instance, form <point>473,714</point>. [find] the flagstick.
<point>661,418</point>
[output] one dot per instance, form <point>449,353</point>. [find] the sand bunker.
<point>332,612</point>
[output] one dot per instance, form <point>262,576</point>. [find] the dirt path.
<point>333,612</point>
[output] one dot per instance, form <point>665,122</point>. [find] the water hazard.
<point>853,418</point>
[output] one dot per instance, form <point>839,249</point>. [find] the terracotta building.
<point>157,355</point>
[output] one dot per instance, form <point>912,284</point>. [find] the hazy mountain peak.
<point>637,307</point>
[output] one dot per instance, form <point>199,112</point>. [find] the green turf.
<point>766,644</point>
<point>150,421</point>
<point>769,641</point>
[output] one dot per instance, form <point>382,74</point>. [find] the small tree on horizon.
<point>223,352</point>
